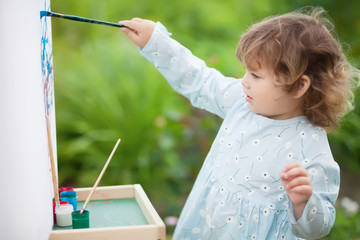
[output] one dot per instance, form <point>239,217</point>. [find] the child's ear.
<point>303,86</point>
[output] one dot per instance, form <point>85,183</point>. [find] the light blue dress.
<point>238,193</point>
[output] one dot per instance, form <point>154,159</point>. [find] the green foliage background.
<point>105,90</point>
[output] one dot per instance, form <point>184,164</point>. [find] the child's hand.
<point>298,186</point>
<point>139,30</point>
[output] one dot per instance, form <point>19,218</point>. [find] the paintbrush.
<point>80,19</point>
<point>52,162</point>
<point>100,176</point>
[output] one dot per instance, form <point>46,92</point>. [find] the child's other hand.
<point>298,186</point>
<point>139,30</point>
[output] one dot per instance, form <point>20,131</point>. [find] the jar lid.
<point>61,203</point>
<point>64,208</point>
<point>63,189</point>
<point>76,214</point>
<point>68,194</point>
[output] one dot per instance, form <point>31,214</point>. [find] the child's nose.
<point>245,83</point>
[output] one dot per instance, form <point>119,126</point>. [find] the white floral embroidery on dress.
<point>265,187</point>
<point>315,137</point>
<point>256,142</point>
<point>265,174</point>
<point>229,219</point>
<point>217,163</point>
<point>303,134</point>
<point>236,157</point>
<point>202,212</point>
<point>313,210</point>
<point>271,206</point>
<point>239,196</point>
<point>196,230</point>
<point>251,192</point>
<point>280,197</point>
<point>227,129</point>
<point>231,179</point>
<point>326,178</point>
<point>306,161</point>
<point>266,212</point>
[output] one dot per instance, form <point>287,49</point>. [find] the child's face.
<point>265,97</point>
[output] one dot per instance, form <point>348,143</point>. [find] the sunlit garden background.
<point>105,90</point>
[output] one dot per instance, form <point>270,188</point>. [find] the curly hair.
<point>303,43</point>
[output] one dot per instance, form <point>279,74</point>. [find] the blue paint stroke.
<point>46,62</point>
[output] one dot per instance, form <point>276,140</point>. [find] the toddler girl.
<point>270,173</point>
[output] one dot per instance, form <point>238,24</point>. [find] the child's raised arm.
<point>205,87</point>
<point>139,30</point>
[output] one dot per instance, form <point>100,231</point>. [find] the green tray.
<point>112,213</point>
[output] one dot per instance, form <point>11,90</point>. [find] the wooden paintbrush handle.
<point>52,161</point>
<point>100,176</point>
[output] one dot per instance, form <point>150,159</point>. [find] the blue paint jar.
<point>70,197</point>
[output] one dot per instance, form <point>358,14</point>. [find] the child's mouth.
<point>248,98</point>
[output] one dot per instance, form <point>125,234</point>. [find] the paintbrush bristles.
<point>100,176</point>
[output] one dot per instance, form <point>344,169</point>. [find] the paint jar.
<point>70,197</point>
<point>80,220</point>
<point>63,215</point>
<point>64,189</point>
<point>54,205</point>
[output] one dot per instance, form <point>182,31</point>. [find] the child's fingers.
<point>304,190</point>
<point>292,170</point>
<point>138,30</point>
<point>136,19</point>
<point>133,23</point>
<point>298,181</point>
<point>295,172</point>
<point>290,166</point>
<point>132,30</point>
<point>130,26</point>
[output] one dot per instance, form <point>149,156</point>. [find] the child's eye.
<point>254,75</point>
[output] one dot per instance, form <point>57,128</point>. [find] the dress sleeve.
<point>205,87</point>
<point>319,213</point>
